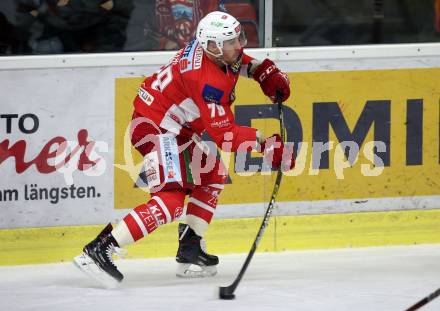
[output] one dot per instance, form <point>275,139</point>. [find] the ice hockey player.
<point>192,94</point>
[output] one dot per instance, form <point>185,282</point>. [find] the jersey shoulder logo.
<point>212,94</point>
<point>191,57</point>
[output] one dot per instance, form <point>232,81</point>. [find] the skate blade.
<point>188,271</point>
<point>92,270</point>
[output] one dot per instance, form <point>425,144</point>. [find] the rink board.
<point>389,93</point>
<point>56,244</point>
<point>400,108</point>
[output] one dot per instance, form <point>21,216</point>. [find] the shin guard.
<point>163,208</point>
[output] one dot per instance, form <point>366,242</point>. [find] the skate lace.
<point>203,245</point>
<point>120,252</point>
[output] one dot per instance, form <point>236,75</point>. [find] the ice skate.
<point>96,260</point>
<point>192,259</point>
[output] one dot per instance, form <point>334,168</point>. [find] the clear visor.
<point>236,43</point>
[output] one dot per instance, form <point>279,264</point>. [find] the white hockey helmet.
<point>219,27</point>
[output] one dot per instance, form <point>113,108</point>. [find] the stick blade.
<point>226,293</point>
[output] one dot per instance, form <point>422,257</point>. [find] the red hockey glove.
<point>272,79</point>
<point>273,149</point>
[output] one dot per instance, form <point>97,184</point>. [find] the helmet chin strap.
<point>217,57</point>
<point>214,55</point>
<point>219,47</point>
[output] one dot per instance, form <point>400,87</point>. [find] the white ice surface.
<point>370,279</point>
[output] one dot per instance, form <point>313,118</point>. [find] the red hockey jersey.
<point>192,94</point>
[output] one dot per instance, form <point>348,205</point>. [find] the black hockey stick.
<point>424,301</point>
<point>228,291</point>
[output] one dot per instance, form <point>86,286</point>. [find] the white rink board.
<point>78,93</point>
<point>65,101</point>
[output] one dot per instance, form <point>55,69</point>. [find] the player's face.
<point>232,49</point>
